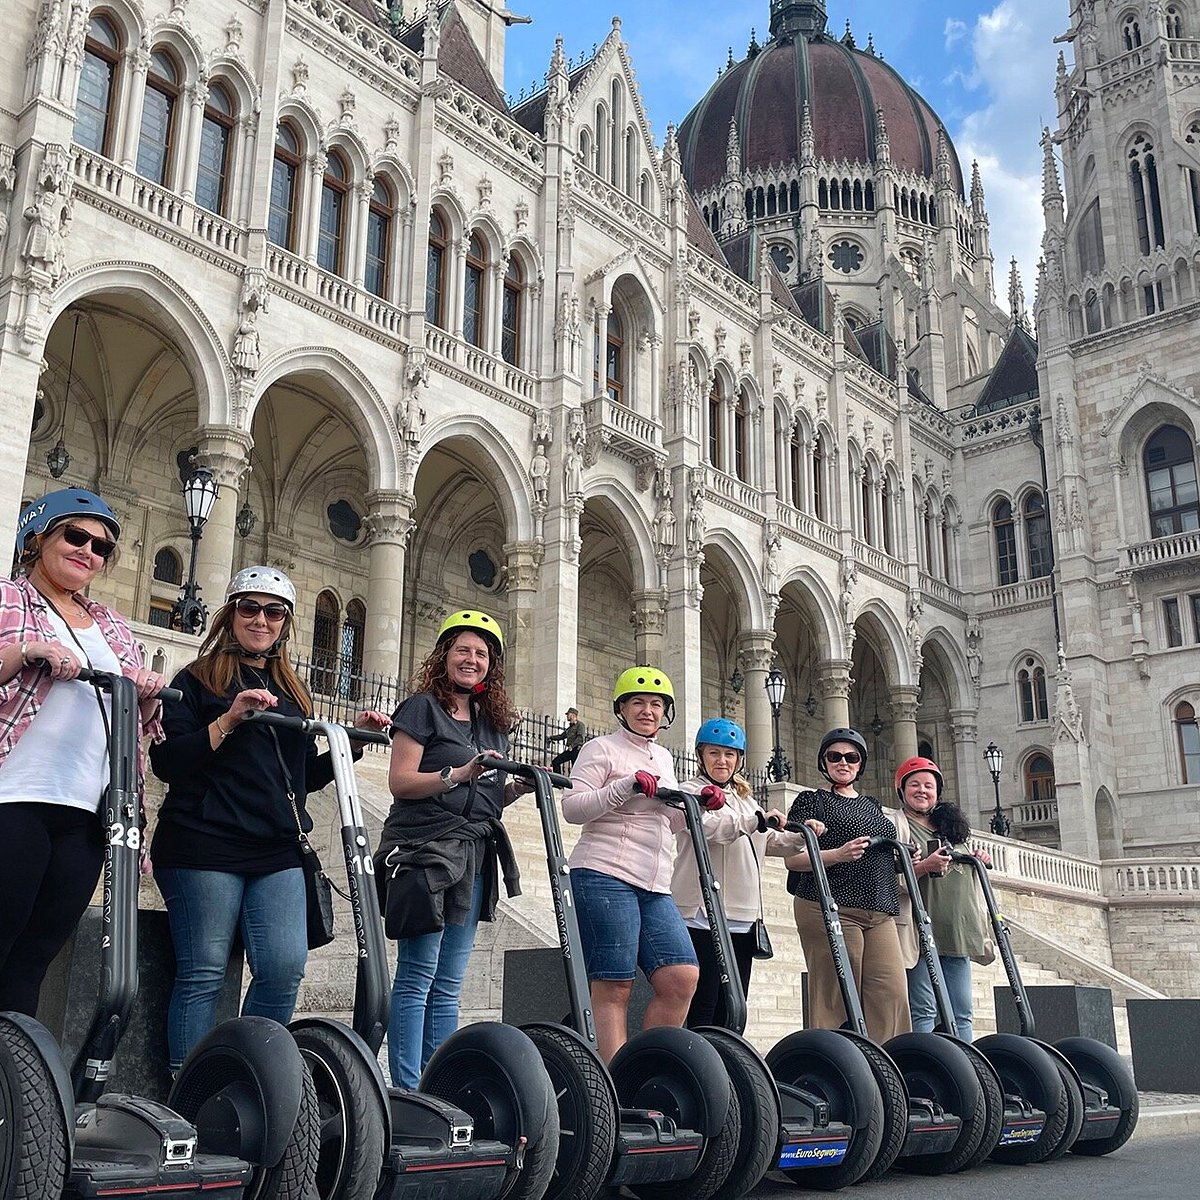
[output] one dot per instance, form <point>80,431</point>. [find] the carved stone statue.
<point>664,531</point>
<point>539,473</point>
<point>573,472</point>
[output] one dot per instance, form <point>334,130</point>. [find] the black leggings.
<point>50,859</point>
<point>708,1004</point>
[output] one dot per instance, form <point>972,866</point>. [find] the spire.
<point>848,36</point>
<point>1017,316</point>
<point>733,152</point>
<point>753,49</point>
<point>976,187</point>
<point>883,143</point>
<point>943,161</point>
<point>558,60</point>
<point>791,19</point>
<point>1052,197</point>
<point>808,144</point>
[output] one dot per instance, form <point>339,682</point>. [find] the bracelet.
<point>221,729</point>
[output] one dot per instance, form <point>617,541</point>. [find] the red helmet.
<point>910,766</point>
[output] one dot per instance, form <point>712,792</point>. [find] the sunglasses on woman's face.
<point>251,608</point>
<point>102,547</point>
<point>836,756</point>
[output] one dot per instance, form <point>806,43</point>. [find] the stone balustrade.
<point>1179,548</point>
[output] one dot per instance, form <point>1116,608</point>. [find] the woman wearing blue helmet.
<point>739,834</point>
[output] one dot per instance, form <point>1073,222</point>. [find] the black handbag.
<point>762,940</point>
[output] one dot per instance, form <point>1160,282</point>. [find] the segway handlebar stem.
<point>103,680</point>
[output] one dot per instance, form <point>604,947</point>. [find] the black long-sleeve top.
<point>227,809</point>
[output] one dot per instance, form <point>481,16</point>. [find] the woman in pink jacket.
<point>621,865</point>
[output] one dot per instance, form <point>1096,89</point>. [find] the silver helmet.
<point>266,581</point>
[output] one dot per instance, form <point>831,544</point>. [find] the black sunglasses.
<point>251,608</point>
<point>850,756</point>
<point>102,547</point>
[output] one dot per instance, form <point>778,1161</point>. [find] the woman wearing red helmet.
<point>950,892</point>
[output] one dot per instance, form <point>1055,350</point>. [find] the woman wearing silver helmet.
<point>225,852</point>
<point>51,843</point>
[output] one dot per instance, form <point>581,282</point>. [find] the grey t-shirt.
<point>446,742</point>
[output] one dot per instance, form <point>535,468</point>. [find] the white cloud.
<point>954,32</point>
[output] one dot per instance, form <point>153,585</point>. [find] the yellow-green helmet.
<point>645,681</point>
<point>477,622</point>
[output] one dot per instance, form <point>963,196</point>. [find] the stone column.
<point>905,700</point>
<point>524,560</point>
<point>756,650</point>
<point>655,378</point>
<point>20,373</point>
<point>138,67</point>
<point>389,519</point>
<point>648,616</point>
<point>225,451</point>
<point>307,248</point>
<point>358,251</point>
<point>964,731</point>
<point>833,685</point>
<point>195,96</point>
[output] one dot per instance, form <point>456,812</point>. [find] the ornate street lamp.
<point>246,519</point>
<point>737,680</point>
<point>188,613</point>
<point>776,685</point>
<point>994,757</point>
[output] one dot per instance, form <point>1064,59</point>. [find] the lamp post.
<point>188,613</point>
<point>994,757</point>
<point>780,769</point>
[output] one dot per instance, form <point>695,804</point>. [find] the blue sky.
<point>987,70</point>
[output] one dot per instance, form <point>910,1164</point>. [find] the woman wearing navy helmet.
<point>51,844</point>
<point>739,834</point>
<point>864,886</point>
<point>226,852</point>
<point>443,846</point>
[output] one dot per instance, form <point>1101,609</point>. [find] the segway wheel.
<point>895,1106</point>
<point>351,1118</point>
<point>1102,1066</point>
<point>833,1067</point>
<point>493,1073</point>
<point>33,1134</point>
<point>587,1113</point>
<point>1026,1070</point>
<point>294,1177</point>
<point>993,1097</point>
<point>1074,1122</point>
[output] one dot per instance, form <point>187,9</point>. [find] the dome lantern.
<point>790,19</point>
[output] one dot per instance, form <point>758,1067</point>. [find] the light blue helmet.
<point>55,506</point>
<point>719,731</point>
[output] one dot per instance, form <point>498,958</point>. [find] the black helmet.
<point>852,736</point>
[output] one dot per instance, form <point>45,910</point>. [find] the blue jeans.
<point>429,977</point>
<point>205,909</point>
<point>957,970</point>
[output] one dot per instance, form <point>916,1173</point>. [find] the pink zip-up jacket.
<point>625,834</point>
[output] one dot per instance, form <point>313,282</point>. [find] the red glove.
<point>712,797</point>
<point>645,783</point>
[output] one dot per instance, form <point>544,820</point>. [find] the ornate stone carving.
<point>772,545</point>
<point>539,474</point>
<point>1068,719</point>
<point>299,77</point>
<point>246,341</point>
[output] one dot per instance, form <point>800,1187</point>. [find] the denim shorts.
<point>625,927</point>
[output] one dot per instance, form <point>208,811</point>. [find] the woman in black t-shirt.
<point>226,852</point>
<point>864,887</point>
<point>443,846</point>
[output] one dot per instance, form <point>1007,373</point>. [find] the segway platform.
<point>652,1149</point>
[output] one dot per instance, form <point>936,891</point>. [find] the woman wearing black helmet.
<point>864,886</point>
<point>51,843</point>
<point>226,850</point>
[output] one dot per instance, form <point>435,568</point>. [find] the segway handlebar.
<point>528,772</point>
<point>103,680</point>
<point>316,725</point>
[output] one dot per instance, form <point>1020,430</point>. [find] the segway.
<point>935,1110</point>
<point>661,1119</point>
<point>241,1117</point>
<point>1095,1076</point>
<point>823,1126</point>
<point>483,1122</point>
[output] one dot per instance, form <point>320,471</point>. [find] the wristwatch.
<point>444,776</point>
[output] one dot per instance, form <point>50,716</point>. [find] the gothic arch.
<point>819,604</point>
<point>889,641</point>
<point>957,672</point>
<point>625,509</point>
<point>741,574</point>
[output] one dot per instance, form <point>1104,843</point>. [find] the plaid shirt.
<point>24,617</point>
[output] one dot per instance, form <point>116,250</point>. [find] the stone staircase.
<point>527,921</point>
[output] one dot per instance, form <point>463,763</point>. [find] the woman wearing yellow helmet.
<point>621,865</point>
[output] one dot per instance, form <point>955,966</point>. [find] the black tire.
<point>587,1113</point>
<point>294,1177</point>
<point>895,1106</point>
<point>938,1069</point>
<point>1073,1094</point>
<point>832,1066</point>
<point>352,1122</point>
<point>993,1097</point>
<point>1102,1066</point>
<point>33,1134</point>
<point>494,1073</point>
<point>716,1162</point>
<point>1026,1070</point>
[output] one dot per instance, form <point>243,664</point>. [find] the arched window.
<point>796,462</point>
<point>510,314</point>
<point>435,271</point>
<point>928,524</point>
<point>1031,692</point>
<point>325,644</point>
<point>614,359</point>
<point>716,414</point>
<point>97,84</point>
<point>281,217</point>
<point>1147,206</point>
<point>473,290</point>
<point>602,148</point>
<point>1037,535</point>
<point>865,494</point>
<point>216,130</point>
<point>1039,779</point>
<point>741,437</point>
<point>947,558</point>
<point>1170,468</point>
<point>818,479</point>
<point>158,118</point>
<point>331,225</point>
<point>354,626</point>
<point>614,155</point>
<point>630,160</point>
<point>168,566</point>
<point>586,151</point>
<point>379,238</point>
<point>644,190</point>
<point>1174,21</point>
<point>1187,736</point>
<point>1131,33</point>
<point>885,500</point>
<point>1005,536</point>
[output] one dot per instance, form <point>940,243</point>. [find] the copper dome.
<point>766,92</point>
